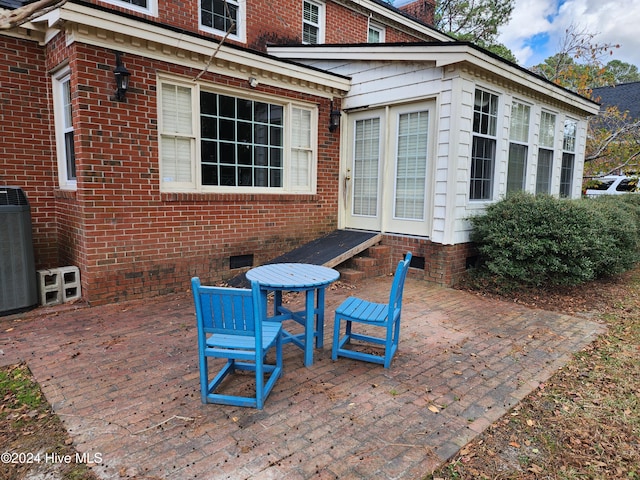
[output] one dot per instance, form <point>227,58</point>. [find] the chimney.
<point>422,10</point>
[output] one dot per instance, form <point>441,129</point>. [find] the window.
<point>63,115</point>
<point>366,167</point>
<point>411,168</point>
<point>518,147</point>
<point>545,152</point>
<point>217,141</point>
<point>149,7</point>
<point>568,158</point>
<point>224,16</point>
<point>312,23</point>
<point>483,154</point>
<point>376,33</point>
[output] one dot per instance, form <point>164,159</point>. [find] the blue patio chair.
<point>383,315</point>
<point>231,326</point>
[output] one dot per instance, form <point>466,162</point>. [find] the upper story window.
<point>223,17</point>
<point>312,22</point>
<point>483,153</point>
<point>213,141</point>
<point>150,7</point>
<point>545,152</point>
<point>376,33</point>
<point>518,147</point>
<point>568,158</point>
<point>63,118</point>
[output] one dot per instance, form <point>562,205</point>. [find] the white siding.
<point>379,84</point>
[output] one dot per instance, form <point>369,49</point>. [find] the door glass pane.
<point>366,167</point>
<point>411,167</point>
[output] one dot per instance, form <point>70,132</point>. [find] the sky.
<point>537,27</point>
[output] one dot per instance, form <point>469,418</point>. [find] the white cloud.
<point>537,26</point>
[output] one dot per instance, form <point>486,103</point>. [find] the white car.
<point>612,185</point>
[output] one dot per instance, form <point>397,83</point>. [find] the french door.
<point>386,176</point>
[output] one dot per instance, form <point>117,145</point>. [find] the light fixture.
<point>334,119</point>
<point>122,79</point>
<point>253,82</point>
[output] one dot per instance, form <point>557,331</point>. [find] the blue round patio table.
<point>297,277</point>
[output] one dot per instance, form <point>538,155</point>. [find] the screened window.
<point>568,158</point>
<point>411,167</point>
<point>545,152</point>
<point>222,142</point>
<point>223,17</point>
<point>64,130</point>
<point>312,23</point>
<point>518,147</point>
<point>366,167</point>
<point>483,154</point>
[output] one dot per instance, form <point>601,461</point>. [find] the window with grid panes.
<point>242,144</point>
<point>144,6</point>
<point>312,21</point>
<point>545,152</point>
<point>483,153</point>
<point>223,17</point>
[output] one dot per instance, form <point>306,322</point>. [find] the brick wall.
<point>133,241</point>
<point>423,10</point>
<point>443,264</point>
<point>277,22</point>
<point>27,159</point>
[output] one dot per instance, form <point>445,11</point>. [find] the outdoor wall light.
<point>122,79</point>
<point>334,119</point>
<point>253,82</point>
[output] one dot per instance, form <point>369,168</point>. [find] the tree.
<point>476,21</point>
<point>579,64</point>
<point>613,143</point>
<point>622,72</point>
<point>613,138</point>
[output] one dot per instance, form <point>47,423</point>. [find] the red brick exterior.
<point>443,264</point>
<point>27,154</point>
<point>129,239</point>
<point>423,10</point>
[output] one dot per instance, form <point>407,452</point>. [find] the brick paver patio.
<point>124,380</point>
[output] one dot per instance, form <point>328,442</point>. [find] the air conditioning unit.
<point>18,284</point>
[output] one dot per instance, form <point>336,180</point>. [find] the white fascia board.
<point>443,55</point>
<point>82,15</point>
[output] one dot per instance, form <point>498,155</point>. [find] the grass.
<point>31,435</point>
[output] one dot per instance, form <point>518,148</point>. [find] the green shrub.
<point>541,240</point>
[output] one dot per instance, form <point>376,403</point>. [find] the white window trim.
<point>572,152</point>
<point>526,143</point>
<point>377,27</point>
<point>241,24</point>
<point>321,20</point>
<point>58,80</point>
<point>152,6</point>
<point>288,104</point>
<point>495,137</point>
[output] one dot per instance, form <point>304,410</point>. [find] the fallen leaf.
<point>433,408</point>
<point>535,468</point>
<point>514,444</point>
